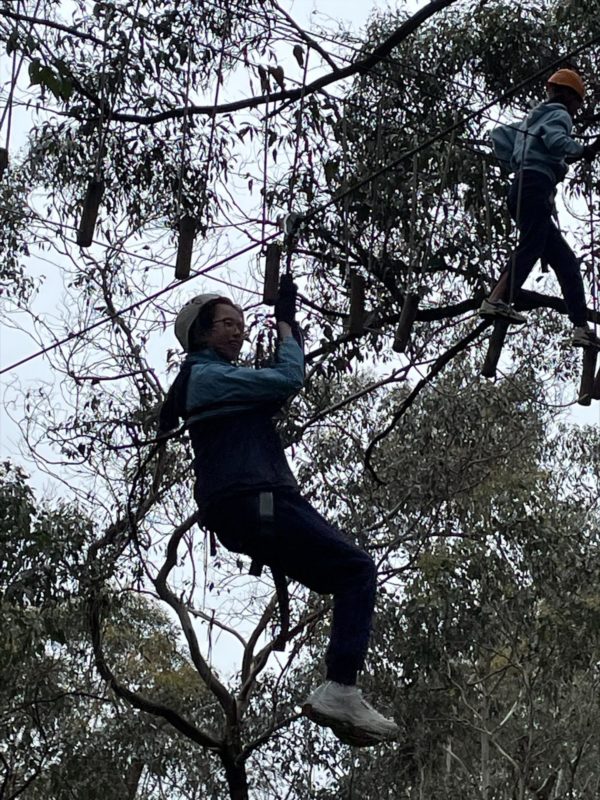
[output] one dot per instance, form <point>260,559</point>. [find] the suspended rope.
<point>411,294</point>
<point>186,223</point>
<point>189,224</point>
<point>272,251</point>
<point>95,187</point>
<point>293,221</point>
<point>354,323</point>
<point>589,388</point>
<point>96,184</point>
<point>7,111</point>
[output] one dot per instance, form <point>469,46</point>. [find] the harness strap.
<point>266,513</point>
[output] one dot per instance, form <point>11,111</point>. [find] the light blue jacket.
<point>540,142</point>
<point>220,388</point>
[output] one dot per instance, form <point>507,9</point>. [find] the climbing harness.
<point>170,413</point>
<point>266,516</point>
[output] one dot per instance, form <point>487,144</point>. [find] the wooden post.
<point>271,282</point>
<point>586,387</point>
<point>3,161</point>
<point>407,318</point>
<point>488,370</point>
<point>356,318</point>
<point>185,246</point>
<point>596,387</point>
<point>89,214</point>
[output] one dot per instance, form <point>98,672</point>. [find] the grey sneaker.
<point>498,309</point>
<point>585,337</point>
<point>347,713</point>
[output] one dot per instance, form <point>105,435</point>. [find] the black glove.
<point>589,153</point>
<point>285,305</point>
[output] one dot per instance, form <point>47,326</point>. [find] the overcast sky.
<point>311,14</point>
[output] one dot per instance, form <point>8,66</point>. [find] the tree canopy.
<point>478,506</point>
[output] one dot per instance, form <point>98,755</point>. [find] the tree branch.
<point>437,367</point>
<point>358,67</point>
<point>137,700</point>
<point>47,23</point>
<point>160,582</point>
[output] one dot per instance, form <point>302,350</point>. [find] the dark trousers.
<point>303,545</point>
<point>540,238</point>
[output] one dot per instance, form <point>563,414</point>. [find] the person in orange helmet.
<point>538,150</point>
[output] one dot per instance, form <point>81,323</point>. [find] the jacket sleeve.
<point>503,142</point>
<point>556,135</point>
<point>217,383</point>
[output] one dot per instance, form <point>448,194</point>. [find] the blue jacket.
<point>540,142</point>
<point>229,411</point>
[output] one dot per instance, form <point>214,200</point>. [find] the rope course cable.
<point>96,185</point>
<point>7,111</point>
<point>294,222</point>
<point>347,191</point>
<point>186,222</point>
<point>131,307</point>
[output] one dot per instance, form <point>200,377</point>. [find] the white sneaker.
<point>494,309</point>
<point>347,713</point>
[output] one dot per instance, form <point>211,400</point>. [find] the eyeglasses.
<point>230,324</point>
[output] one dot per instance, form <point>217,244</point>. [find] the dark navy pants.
<point>539,238</point>
<point>304,546</point>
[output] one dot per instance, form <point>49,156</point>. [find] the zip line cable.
<point>451,128</point>
<point>137,304</point>
<point>334,200</point>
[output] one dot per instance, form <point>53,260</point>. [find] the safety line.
<point>334,200</point>
<point>137,304</point>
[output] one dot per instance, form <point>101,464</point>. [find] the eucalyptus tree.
<point>228,115</point>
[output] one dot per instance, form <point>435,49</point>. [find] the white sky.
<point>309,13</point>
<point>15,345</point>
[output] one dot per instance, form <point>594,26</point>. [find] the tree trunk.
<point>237,780</point>
<point>132,778</point>
<point>485,748</point>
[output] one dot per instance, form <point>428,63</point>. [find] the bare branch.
<point>137,700</point>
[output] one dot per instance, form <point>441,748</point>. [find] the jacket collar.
<point>202,356</point>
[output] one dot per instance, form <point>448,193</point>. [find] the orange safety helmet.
<point>569,78</point>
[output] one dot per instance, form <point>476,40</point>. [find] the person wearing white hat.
<point>249,498</point>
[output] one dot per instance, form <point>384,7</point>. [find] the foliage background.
<point>483,512</point>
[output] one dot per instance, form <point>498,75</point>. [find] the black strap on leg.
<point>266,513</point>
<point>213,544</point>
<point>283,598</point>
